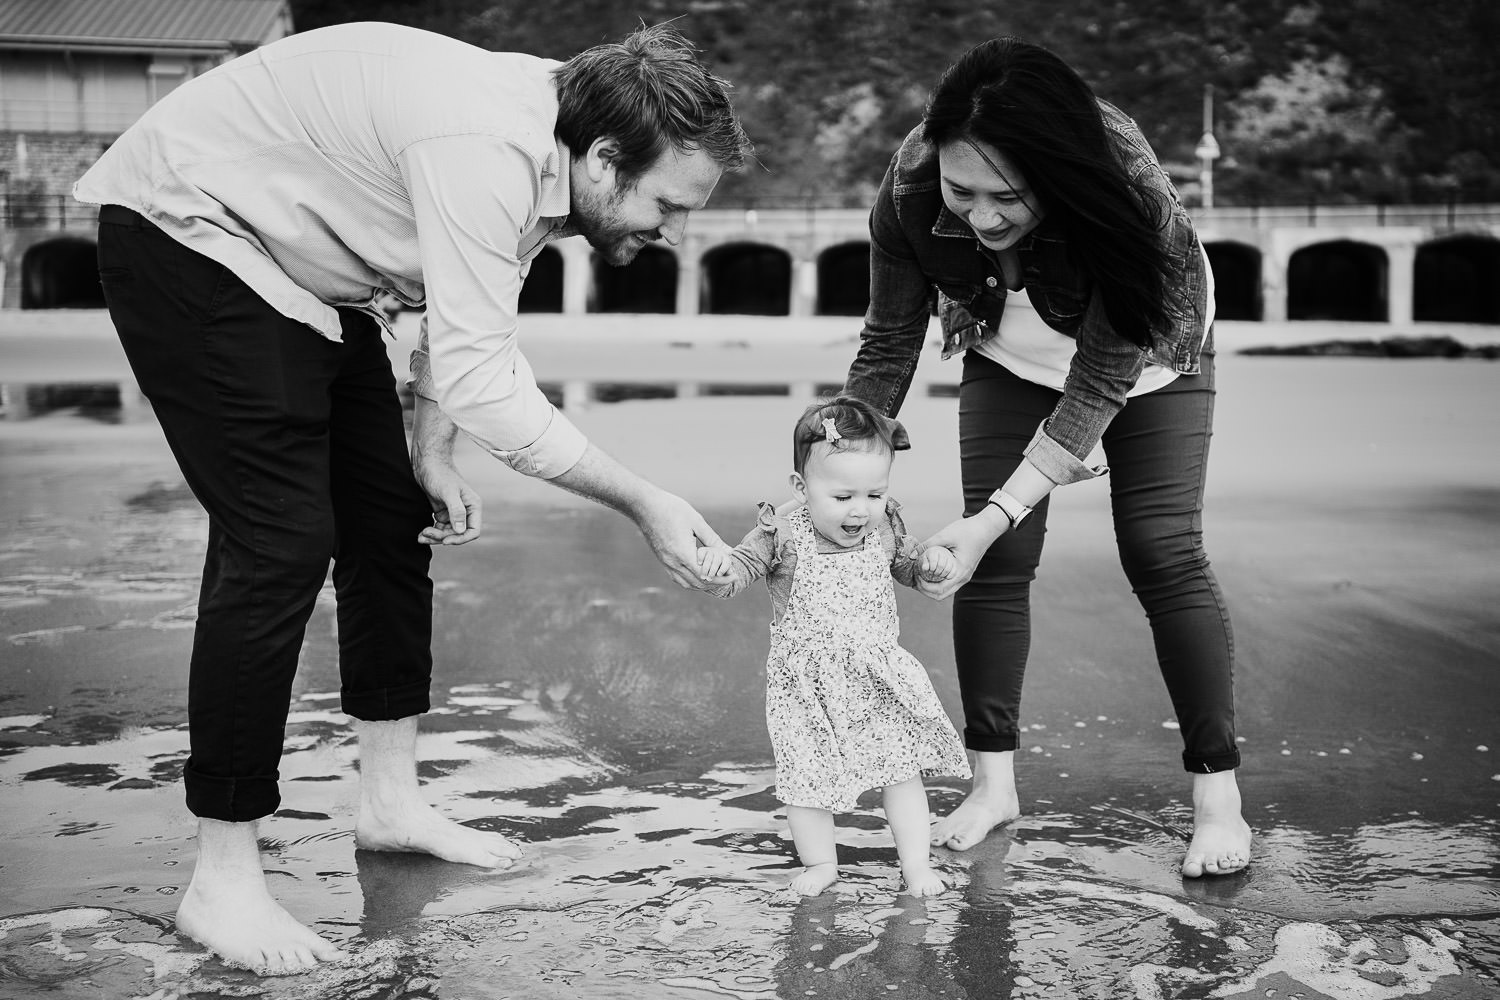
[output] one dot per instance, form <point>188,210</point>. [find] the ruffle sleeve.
<point>903,551</point>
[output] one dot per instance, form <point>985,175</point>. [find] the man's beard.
<point>616,249</point>
<point>599,225</point>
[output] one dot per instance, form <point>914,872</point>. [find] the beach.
<point>614,723</point>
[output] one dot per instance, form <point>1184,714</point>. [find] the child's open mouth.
<point>853,529</point>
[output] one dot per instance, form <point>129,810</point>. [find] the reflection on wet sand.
<point>615,727</point>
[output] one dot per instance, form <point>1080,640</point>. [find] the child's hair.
<point>855,424</point>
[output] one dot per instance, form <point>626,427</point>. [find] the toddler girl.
<point>848,708</point>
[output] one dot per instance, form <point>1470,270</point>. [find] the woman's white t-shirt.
<point>1032,350</point>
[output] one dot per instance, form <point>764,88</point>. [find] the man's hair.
<point>646,92</point>
<point>857,426</point>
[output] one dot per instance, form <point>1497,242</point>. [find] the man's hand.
<point>456,508</point>
<point>674,530</point>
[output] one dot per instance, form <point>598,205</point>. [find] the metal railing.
<point>51,210</point>
<point>58,210</point>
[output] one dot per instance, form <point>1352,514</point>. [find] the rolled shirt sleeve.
<point>473,198</point>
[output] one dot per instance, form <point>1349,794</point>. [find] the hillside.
<point>1359,100</point>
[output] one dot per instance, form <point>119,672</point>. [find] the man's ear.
<point>600,160</point>
<point>799,486</point>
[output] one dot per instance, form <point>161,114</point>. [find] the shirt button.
<point>991,281</point>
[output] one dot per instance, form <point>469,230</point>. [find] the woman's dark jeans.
<point>296,448</point>
<point>1157,451</point>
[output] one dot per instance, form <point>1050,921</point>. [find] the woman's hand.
<point>968,538</point>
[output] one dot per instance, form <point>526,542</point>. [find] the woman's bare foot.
<point>992,802</point>
<point>921,880</point>
<point>228,909</point>
<point>1221,837</point>
<point>393,816</point>
<point>813,879</point>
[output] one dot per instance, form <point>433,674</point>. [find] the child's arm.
<point>728,571</point>
<point>910,563</point>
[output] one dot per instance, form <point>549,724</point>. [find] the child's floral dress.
<point>847,707</point>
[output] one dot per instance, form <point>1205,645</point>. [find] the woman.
<point>1070,277</point>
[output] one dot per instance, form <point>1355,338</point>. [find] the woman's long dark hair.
<point>1030,105</point>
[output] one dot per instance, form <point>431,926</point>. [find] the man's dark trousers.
<point>295,445</point>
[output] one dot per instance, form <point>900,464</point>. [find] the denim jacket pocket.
<point>968,323</point>
<point>1061,308</point>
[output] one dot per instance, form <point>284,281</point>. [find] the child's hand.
<point>937,564</point>
<point>714,562</point>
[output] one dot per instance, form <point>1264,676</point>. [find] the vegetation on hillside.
<point>1338,100</point>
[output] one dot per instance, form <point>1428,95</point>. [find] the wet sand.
<point>614,723</point>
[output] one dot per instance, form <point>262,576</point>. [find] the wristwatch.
<point>1014,510</point>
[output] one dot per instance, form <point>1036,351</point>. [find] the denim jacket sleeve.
<point>1103,370</point>
<point>896,322</point>
<point>1106,366</point>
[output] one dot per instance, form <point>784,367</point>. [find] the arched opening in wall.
<point>542,291</point>
<point>1457,280</point>
<point>647,284</point>
<point>1338,280</point>
<point>1236,269</point>
<point>61,274</point>
<point>844,280</point>
<point>748,278</point>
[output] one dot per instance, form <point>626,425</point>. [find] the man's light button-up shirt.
<point>331,166</point>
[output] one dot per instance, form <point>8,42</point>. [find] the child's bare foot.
<point>992,802</point>
<point>228,909</point>
<point>1221,837</point>
<point>815,878</point>
<point>410,824</point>
<point>921,880</point>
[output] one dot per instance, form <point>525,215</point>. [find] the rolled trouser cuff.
<point>1211,763</point>
<point>233,800</point>
<point>990,742</point>
<point>387,704</point>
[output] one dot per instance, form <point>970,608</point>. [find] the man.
<point>249,221</point>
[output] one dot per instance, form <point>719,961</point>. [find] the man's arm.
<point>672,528</point>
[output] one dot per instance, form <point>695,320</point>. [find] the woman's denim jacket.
<point>917,245</point>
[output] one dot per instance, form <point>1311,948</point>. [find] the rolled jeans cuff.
<point>1058,463</point>
<point>232,800</point>
<point>990,742</point>
<point>387,704</point>
<point>1211,763</point>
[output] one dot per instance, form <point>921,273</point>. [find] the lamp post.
<point>1208,148</point>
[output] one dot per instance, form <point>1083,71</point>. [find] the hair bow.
<point>831,431</point>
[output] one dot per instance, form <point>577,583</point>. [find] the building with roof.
<point>74,74</point>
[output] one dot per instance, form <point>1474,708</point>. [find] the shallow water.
<point>614,725</point>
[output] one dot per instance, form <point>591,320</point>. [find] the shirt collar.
<point>948,224</point>
<point>557,200</point>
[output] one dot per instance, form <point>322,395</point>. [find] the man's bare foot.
<point>921,880</point>
<point>228,909</point>
<point>1221,837</point>
<point>414,826</point>
<point>992,802</point>
<point>393,816</point>
<point>813,879</point>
